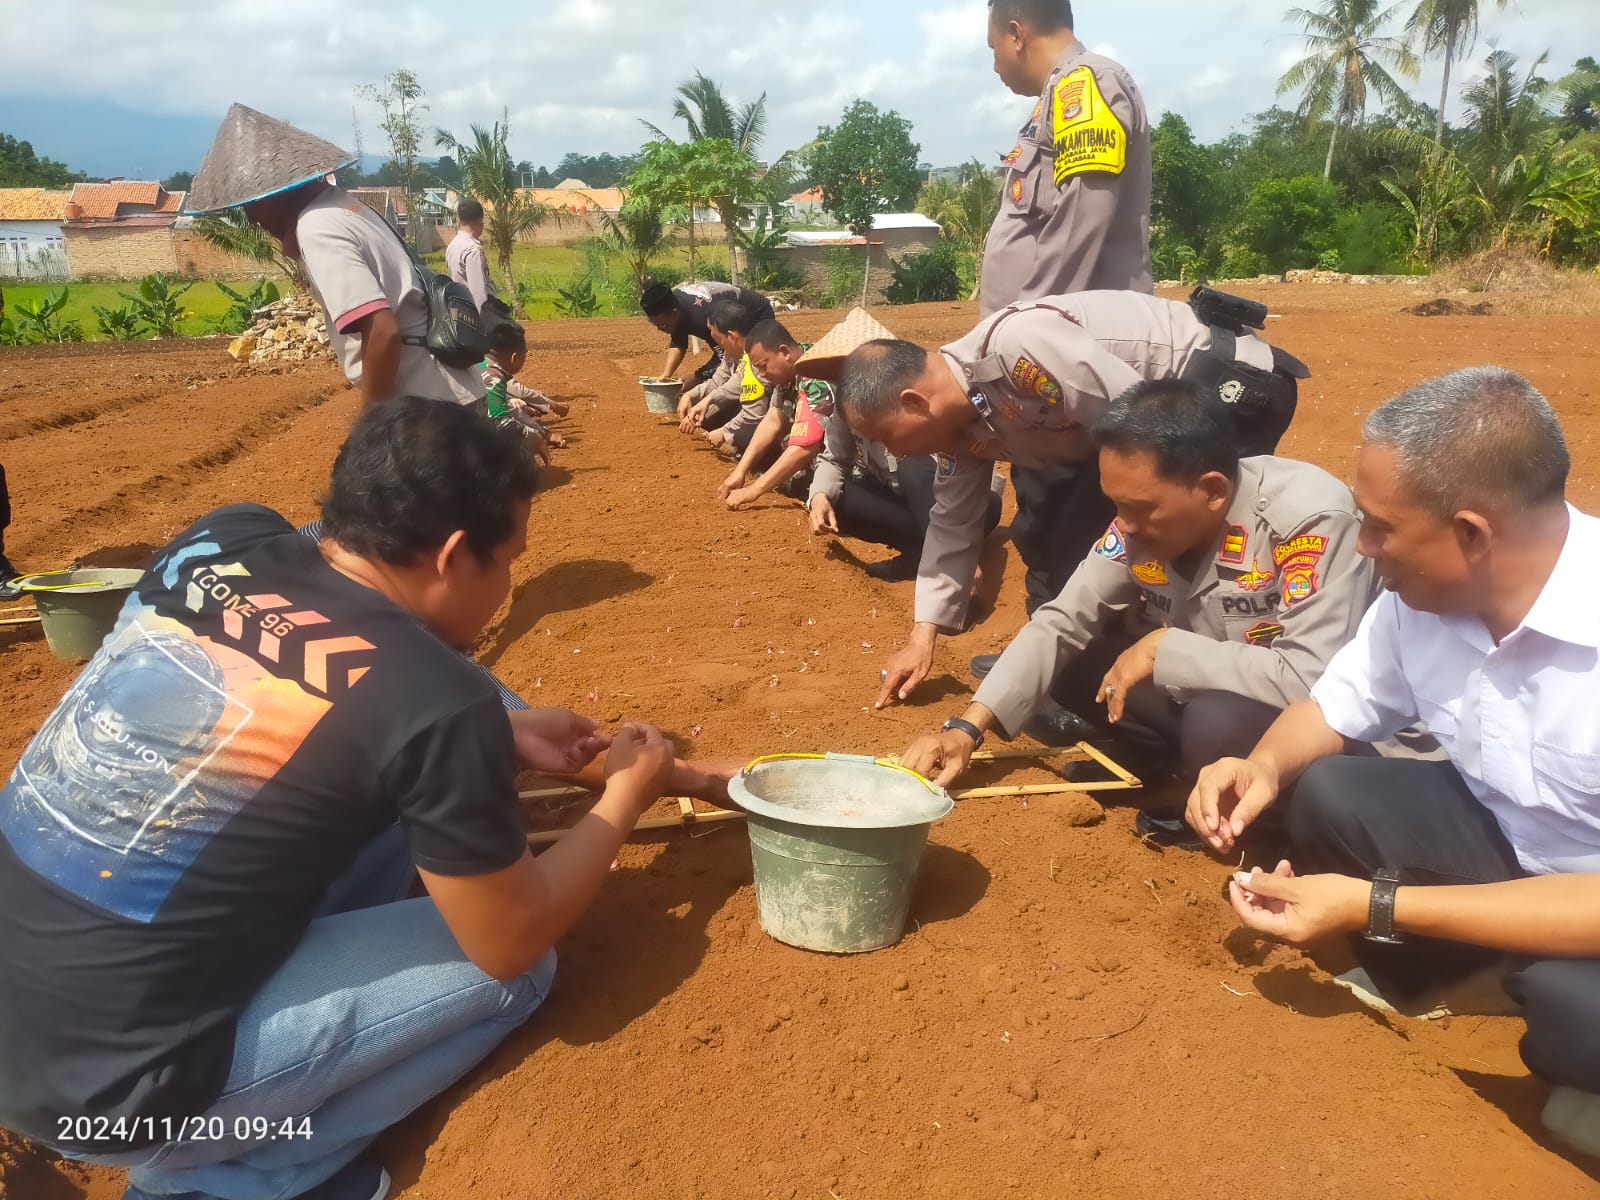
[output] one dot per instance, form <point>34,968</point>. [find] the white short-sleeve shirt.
<point>356,265</point>
<point>1520,721</point>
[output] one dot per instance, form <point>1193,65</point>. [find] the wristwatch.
<point>966,727</point>
<point>1380,910</point>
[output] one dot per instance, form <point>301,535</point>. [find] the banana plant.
<point>246,304</point>
<point>156,302</point>
<point>119,324</point>
<point>39,320</point>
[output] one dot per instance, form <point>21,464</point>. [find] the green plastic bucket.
<point>835,842</point>
<point>78,608</point>
<point>661,395</point>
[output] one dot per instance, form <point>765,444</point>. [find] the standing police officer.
<point>1074,216</point>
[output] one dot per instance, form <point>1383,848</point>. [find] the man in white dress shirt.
<point>1490,635</point>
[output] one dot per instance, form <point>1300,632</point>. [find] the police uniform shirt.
<point>1259,613</point>
<point>1075,209</point>
<point>843,451</point>
<point>1039,374</point>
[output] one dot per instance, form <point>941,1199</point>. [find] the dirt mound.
<point>1517,272</point>
<point>1444,307</point>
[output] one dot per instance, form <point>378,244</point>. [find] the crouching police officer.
<point>1214,600</point>
<point>1025,387</point>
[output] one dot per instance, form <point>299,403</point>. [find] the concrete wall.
<point>132,252</point>
<point>32,250</point>
<point>814,263</point>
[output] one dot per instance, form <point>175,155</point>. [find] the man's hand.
<point>558,408</point>
<point>1299,910</point>
<point>941,757</point>
<point>736,479</point>
<point>696,417</point>
<point>641,761</point>
<point>715,436</point>
<point>908,666</point>
<point>1229,795</point>
<point>540,448</point>
<point>738,499</point>
<point>555,740</point>
<point>823,518</point>
<point>1135,665</point>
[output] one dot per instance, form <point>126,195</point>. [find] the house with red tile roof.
<point>129,228</point>
<point>31,243</point>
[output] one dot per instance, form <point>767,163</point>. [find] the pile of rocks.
<point>291,330</point>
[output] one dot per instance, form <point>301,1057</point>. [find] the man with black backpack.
<point>396,328</point>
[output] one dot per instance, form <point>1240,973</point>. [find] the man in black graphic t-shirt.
<point>209,970</point>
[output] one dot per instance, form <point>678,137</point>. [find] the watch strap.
<point>1380,910</point>
<point>966,727</point>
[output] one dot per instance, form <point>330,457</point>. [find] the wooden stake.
<point>547,836</point>
<point>33,620</point>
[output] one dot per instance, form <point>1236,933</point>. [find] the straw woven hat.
<point>826,359</point>
<point>255,156</point>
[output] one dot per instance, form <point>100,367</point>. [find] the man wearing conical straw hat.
<point>359,269</point>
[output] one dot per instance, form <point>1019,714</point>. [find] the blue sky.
<point>137,89</point>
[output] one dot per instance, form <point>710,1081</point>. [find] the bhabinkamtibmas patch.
<point>1088,136</point>
<point>751,388</point>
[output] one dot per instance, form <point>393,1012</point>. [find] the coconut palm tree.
<point>489,173</point>
<point>706,113</point>
<point>708,116</point>
<point>1449,27</point>
<point>637,233</point>
<point>1348,57</point>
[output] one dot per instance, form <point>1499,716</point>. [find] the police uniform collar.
<point>1075,51</point>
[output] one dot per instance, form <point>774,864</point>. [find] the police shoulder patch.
<point>1088,135</point>
<point>1111,546</point>
<point>1031,377</point>
<point>944,466</point>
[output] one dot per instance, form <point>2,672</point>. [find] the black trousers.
<point>1355,815</point>
<point>1154,728</point>
<point>707,369</point>
<point>1061,514</point>
<point>874,512</point>
<point>5,509</point>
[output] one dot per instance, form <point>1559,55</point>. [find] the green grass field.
<point>547,269</point>
<point>203,300</point>
<point>543,270</point>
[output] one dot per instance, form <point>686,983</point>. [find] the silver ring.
<point>1111,691</point>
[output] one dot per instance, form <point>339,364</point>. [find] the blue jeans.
<point>375,1012</point>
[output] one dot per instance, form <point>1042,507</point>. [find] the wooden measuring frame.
<point>1122,780</point>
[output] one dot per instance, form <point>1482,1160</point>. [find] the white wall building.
<point>31,242</point>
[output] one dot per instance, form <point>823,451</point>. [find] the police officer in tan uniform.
<point>1075,211</point>
<point>1074,215</point>
<point>1023,388</point>
<point>1214,600</point>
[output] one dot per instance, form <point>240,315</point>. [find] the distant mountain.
<point>104,139</point>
